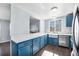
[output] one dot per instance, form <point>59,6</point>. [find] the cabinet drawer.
<point>22,44</point>
<point>53,38</point>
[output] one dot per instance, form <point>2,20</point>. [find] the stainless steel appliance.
<point>75,36</point>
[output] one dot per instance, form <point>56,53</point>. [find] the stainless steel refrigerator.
<point>75,30</point>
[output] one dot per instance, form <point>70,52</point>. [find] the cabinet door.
<point>50,41</point>
<point>69,19</point>
<point>14,48</point>
<point>53,41</point>
<point>36,45</point>
<point>42,42</point>
<point>25,51</point>
<point>45,39</point>
<point>70,43</point>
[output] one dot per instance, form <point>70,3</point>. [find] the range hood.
<point>75,30</point>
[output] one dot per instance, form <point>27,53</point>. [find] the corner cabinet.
<point>53,40</point>
<point>69,19</point>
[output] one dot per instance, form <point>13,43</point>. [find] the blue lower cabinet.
<point>14,48</point>
<point>45,39</point>
<point>25,51</point>
<point>31,47</point>
<point>50,41</point>
<point>53,41</point>
<point>25,48</point>
<point>70,43</point>
<point>42,43</point>
<point>36,45</point>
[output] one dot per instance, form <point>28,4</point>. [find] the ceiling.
<point>43,10</point>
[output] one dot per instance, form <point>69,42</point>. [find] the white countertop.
<point>58,33</point>
<point>21,38</point>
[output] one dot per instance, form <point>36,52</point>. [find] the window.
<point>55,26</point>
<point>58,25</point>
<point>52,26</point>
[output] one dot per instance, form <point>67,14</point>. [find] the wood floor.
<point>54,51</point>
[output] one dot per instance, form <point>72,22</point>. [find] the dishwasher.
<point>63,40</point>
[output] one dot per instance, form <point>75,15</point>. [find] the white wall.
<point>4,22</point>
<point>47,25</point>
<point>4,31</point>
<point>63,24</point>
<point>4,11</point>
<point>19,21</point>
<point>42,26</point>
<point>66,29</point>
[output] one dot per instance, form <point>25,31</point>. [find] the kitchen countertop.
<point>50,33</point>
<point>21,38</point>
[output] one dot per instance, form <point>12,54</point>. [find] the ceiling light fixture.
<point>53,8</point>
